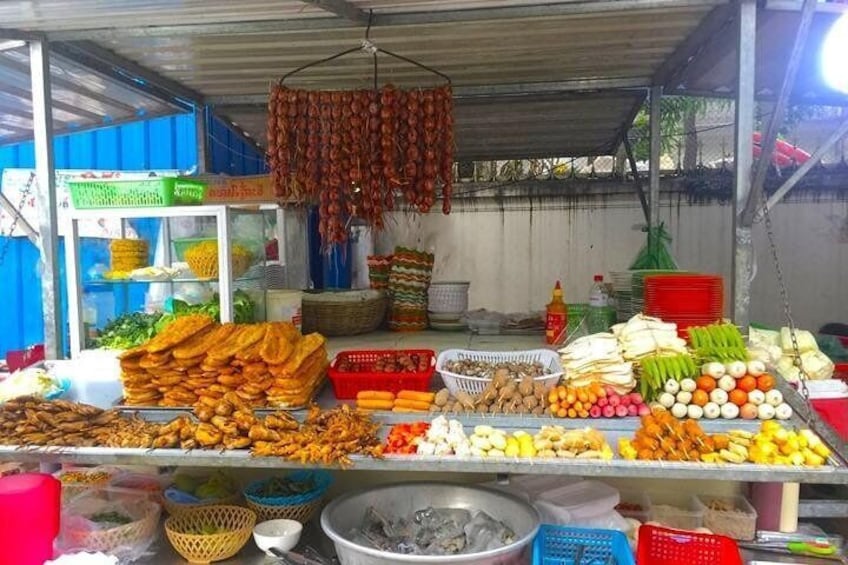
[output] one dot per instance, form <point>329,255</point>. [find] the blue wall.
<point>161,143</point>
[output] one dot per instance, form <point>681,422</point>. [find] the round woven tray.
<point>202,548</point>
<point>121,537</point>
<point>206,266</point>
<point>343,316</point>
<point>176,508</point>
<point>300,512</point>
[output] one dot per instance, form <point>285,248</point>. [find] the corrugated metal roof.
<point>90,14</point>
<point>486,52</point>
<point>81,99</point>
<point>714,70</point>
<point>475,42</point>
<point>515,127</point>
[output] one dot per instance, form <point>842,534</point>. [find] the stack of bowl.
<point>447,305</point>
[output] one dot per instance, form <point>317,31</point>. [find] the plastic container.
<point>577,502</point>
<point>557,545</point>
<point>475,385</point>
<point>830,400</point>
<point>739,523</point>
<point>29,518</point>
<point>95,377</point>
<point>146,193</point>
<point>635,505</point>
<point>346,385</point>
<point>284,306</point>
<point>661,546</point>
<point>448,297</point>
<point>689,518</point>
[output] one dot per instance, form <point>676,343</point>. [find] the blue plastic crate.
<point>557,545</point>
<point>321,479</point>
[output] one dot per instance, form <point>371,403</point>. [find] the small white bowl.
<point>278,534</point>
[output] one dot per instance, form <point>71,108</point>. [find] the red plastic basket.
<point>347,385</point>
<point>660,546</point>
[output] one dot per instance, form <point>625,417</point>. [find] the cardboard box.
<point>237,190</point>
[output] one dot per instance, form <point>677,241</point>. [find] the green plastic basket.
<point>147,193</point>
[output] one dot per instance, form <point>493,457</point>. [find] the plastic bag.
<point>655,254</point>
<point>118,522</point>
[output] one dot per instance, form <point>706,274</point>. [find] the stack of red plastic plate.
<point>685,299</point>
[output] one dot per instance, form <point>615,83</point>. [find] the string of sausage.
<point>356,152</point>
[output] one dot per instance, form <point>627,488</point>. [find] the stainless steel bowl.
<point>346,513</point>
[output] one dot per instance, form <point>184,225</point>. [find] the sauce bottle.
<point>556,321</point>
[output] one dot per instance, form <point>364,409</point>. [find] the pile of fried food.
<point>33,421</point>
<point>197,361</point>
<point>326,437</point>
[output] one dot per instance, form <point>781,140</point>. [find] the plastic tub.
<point>660,546</point>
<point>738,522</point>
<point>577,502</point>
<point>635,505</point>
<point>689,518</point>
<point>29,518</point>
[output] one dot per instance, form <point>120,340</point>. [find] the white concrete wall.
<point>513,252</point>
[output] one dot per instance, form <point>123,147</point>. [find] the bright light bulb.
<point>835,56</point>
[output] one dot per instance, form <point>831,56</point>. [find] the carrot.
<point>412,404</point>
<point>375,395</point>
<point>375,404</point>
<point>402,409</point>
<point>427,397</point>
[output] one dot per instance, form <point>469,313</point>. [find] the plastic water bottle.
<point>597,320</point>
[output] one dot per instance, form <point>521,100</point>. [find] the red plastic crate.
<point>661,546</point>
<point>347,385</point>
<point>841,371</point>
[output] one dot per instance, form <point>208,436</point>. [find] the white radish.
<point>736,369</point>
<point>756,368</point>
<point>688,385</point>
<point>730,411</point>
<point>695,412</point>
<point>783,412</point>
<point>765,412</point>
<point>774,397</point>
<point>712,410</point>
<point>715,370</point>
<point>666,399</point>
<point>672,386</point>
<point>679,410</point>
<point>719,396</point>
<point>756,397</point>
<point>727,383</point>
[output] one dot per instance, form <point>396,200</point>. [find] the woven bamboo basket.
<point>206,267</point>
<point>300,512</point>
<point>336,314</point>
<point>129,535</point>
<point>176,508</point>
<point>237,522</point>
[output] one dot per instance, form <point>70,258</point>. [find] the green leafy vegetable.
<point>128,330</point>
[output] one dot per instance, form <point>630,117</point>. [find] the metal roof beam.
<point>26,95</point>
<point>710,27</point>
<point>65,84</point>
<point>540,10</point>
<point>770,136</point>
<point>340,8</point>
<point>127,72</point>
<point>796,5</point>
<point>20,35</point>
<point>572,87</point>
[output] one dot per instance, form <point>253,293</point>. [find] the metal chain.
<point>25,193</point>
<point>787,312</point>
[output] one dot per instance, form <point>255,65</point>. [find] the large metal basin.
<point>346,513</point>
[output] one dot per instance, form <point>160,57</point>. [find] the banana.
<point>744,442</point>
<point>731,457</point>
<point>741,434</point>
<point>739,450</point>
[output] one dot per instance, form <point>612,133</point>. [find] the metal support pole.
<point>743,154</point>
<point>654,163</point>
<point>201,123</point>
<point>770,136</point>
<point>814,159</point>
<point>45,197</point>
